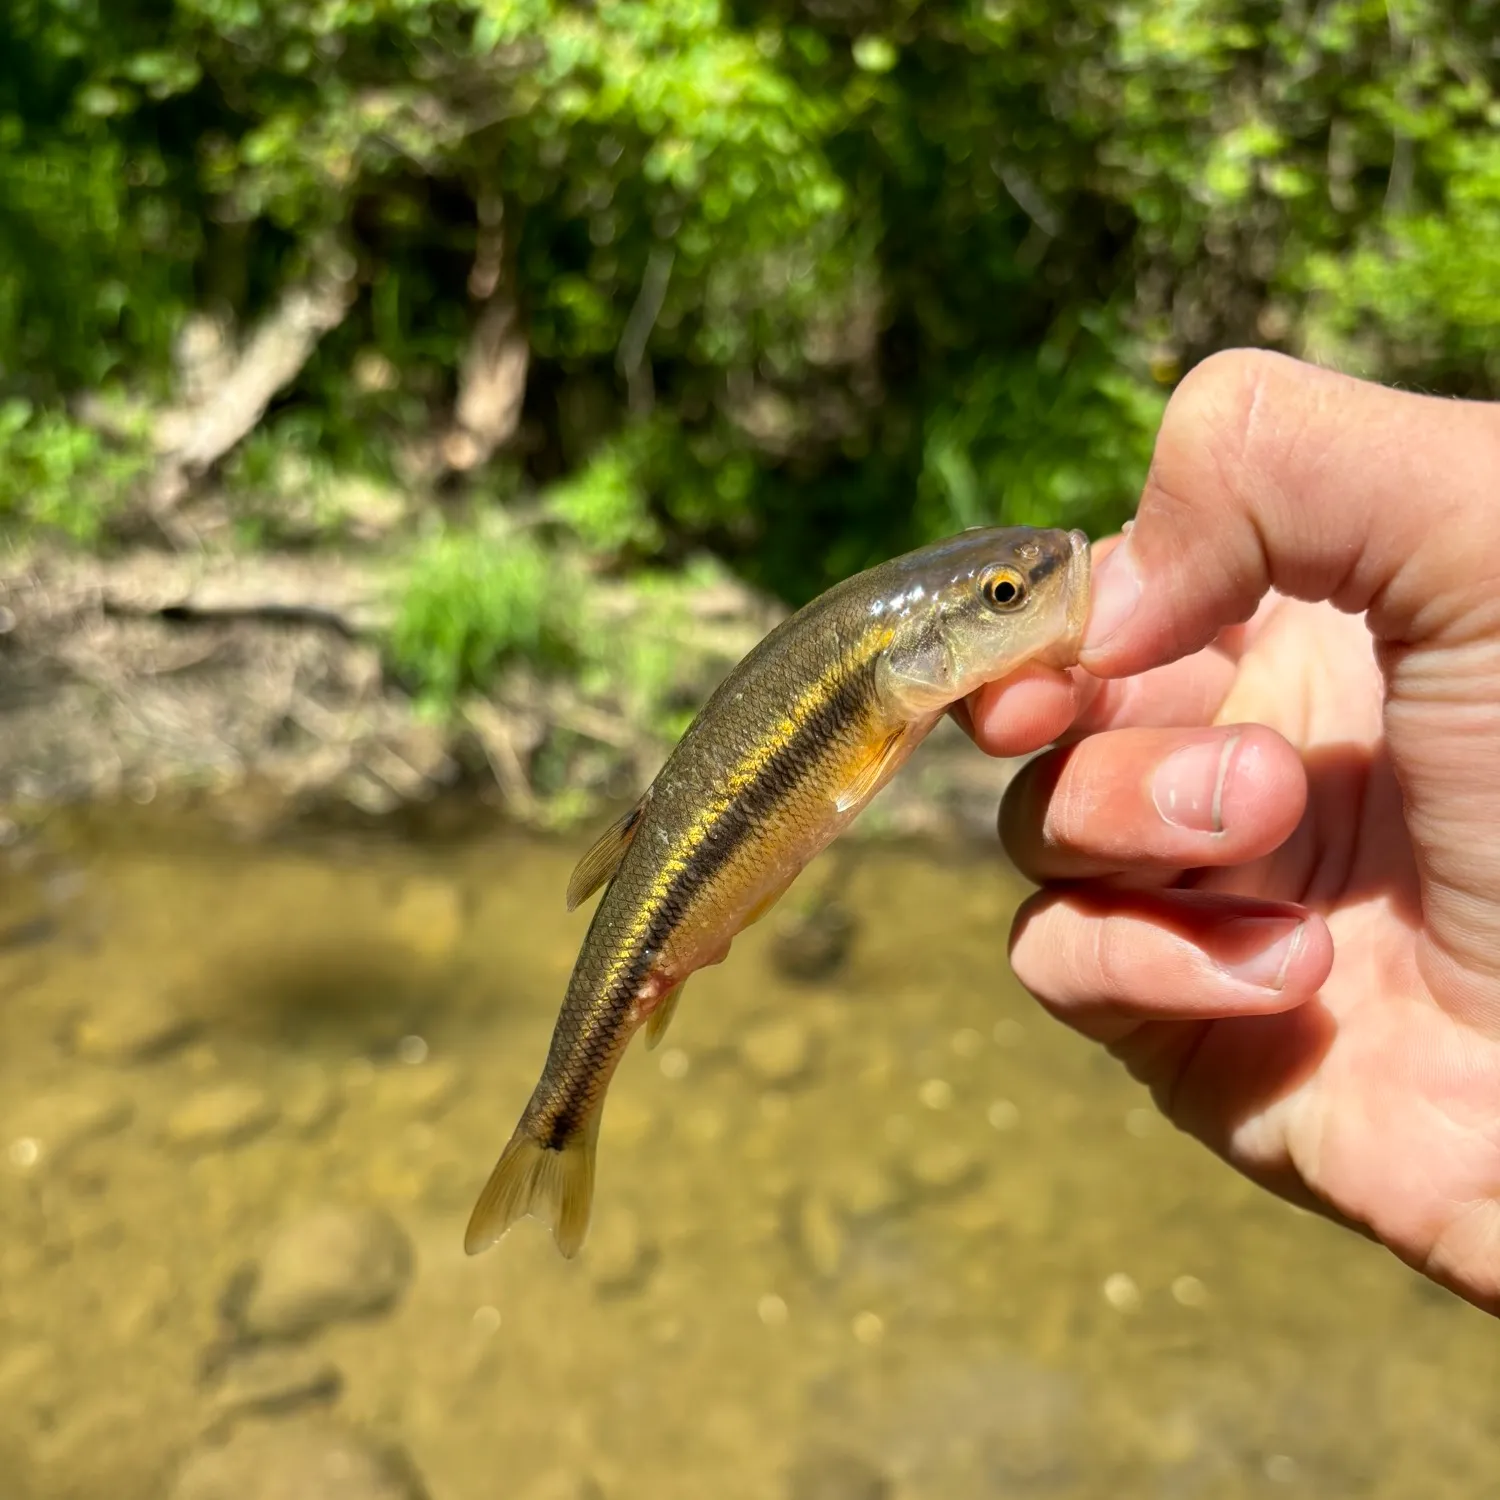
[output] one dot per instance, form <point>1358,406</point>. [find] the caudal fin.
<point>555,1185</point>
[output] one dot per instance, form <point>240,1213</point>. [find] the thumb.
<point>1269,473</point>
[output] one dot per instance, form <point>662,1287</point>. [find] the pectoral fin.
<point>867,776</point>
<point>603,859</point>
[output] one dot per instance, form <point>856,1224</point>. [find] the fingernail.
<point>1259,950</point>
<point>1116,592</point>
<point>1188,788</point>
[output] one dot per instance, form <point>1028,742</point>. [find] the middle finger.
<point>1147,801</point>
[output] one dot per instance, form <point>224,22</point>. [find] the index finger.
<point>1042,706</point>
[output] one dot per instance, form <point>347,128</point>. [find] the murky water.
<point>891,1233</point>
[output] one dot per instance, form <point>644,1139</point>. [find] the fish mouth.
<point>1078,580</point>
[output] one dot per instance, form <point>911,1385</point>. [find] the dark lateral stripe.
<point>784,771</point>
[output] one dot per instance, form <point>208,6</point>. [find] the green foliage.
<point>803,283</point>
<point>605,505</point>
<point>59,475</point>
<point>1426,290</point>
<point>471,601</point>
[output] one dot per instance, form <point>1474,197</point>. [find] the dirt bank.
<point>259,683</point>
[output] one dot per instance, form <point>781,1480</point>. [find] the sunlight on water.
<point>892,1233</point>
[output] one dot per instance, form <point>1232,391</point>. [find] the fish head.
<point>979,606</point>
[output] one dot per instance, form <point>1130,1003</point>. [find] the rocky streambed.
<point>869,1228</point>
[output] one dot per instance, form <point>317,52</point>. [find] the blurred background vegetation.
<point>523,292</point>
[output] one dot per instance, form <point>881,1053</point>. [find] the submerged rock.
<point>129,1027</point>
<point>836,1474</point>
<point>224,1115</point>
<point>305,1461</point>
<point>946,1166</point>
<point>44,1131</point>
<point>276,1380</point>
<point>333,1263</point>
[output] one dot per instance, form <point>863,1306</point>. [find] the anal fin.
<point>661,1017</point>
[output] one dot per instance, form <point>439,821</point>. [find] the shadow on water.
<point>317,991</point>
<point>884,1232</point>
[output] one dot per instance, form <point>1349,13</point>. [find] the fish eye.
<point>1003,589</point>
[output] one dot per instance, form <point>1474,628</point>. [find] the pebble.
<point>424,1089</point>
<point>772,1310</point>
<point>310,1101</point>
<point>945,1166</point>
<point>1281,1469</point>
<point>47,1129</point>
<point>820,1234</point>
<point>621,1255</point>
<point>300,1461</point>
<point>333,1263</point>
<point>129,1028</point>
<point>836,1474</point>
<point>936,1093</point>
<point>966,1043</point>
<point>1188,1291</point>
<point>276,1380</point>
<point>226,1114</point>
<point>777,1052</point>
<point>866,1190</point>
<point>1121,1292</point>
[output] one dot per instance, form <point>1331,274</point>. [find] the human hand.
<point>1270,851</point>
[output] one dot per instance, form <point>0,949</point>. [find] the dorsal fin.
<point>604,856</point>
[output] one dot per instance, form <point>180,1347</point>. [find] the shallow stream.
<point>890,1233</point>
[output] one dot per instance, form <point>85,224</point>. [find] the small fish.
<point>793,743</point>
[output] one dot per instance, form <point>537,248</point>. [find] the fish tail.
<point>551,1183</point>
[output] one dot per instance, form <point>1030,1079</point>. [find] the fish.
<point>781,758</point>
